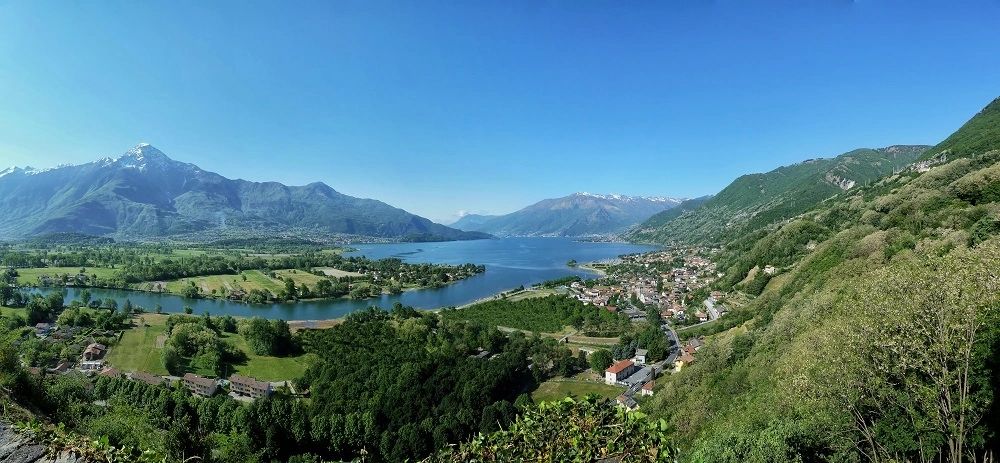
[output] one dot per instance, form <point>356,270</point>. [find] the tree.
<point>267,337</point>
<point>908,363</point>
<point>228,324</point>
<point>290,291</point>
<point>565,430</point>
<point>601,360</point>
<point>191,291</point>
<point>324,288</point>
<point>171,360</point>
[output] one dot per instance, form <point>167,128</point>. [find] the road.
<point>713,313</point>
<point>645,375</point>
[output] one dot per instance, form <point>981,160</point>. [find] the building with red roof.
<point>619,371</point>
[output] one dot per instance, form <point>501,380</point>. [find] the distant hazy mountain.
<point>472,221</point>
<point>758,200</point>
<point>579,214</point>
<point>143,193</point>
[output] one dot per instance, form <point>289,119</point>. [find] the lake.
<point>510,262</point>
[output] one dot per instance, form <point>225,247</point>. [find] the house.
<point>199,385</point>
<point>110,372</point>
<point>249,387</point>
<point>696,343</point>
<point>62,367</point>
<point>640,356</point>
<point>627,402</point>
<point>147,378</point>
<point>619,371</point>
<point>685,359</point>
<point>647,389</point>
<point>91,365</point>
<point>43,329</point>
<point>94,351</point>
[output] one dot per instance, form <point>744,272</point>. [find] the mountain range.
<point>756,200</point>
<point>144,194</point>
<point>579,214</point>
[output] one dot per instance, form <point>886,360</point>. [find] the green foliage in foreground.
<point>543,314</point>
<point>589,429</point>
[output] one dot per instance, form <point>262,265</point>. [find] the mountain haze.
<point>579,214</point>
<point>472,221</point>
<point>143,193</point>
<point>756,200</point>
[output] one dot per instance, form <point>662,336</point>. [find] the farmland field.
<point>138,351</point>
<point>29,276</point>
<point>247,280</point>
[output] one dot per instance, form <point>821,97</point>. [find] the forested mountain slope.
<point>143,193</point>
<point>876,339</point>
<point>757,200</point>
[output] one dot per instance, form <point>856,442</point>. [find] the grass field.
<point>533,293</point>
<point>255,279</point>
<point>337,273</point>
<point>269,368</point>
<point>137,351</point>
<point>10,311</point>
<point>580,385</point>
<point>29,276</point>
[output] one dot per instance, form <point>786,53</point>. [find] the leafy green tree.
<point>565,431</point>
<point>600,360</point>
<point>171,360</point>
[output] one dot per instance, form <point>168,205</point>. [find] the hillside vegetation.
<point>876,338</point>
<point>757,200</point>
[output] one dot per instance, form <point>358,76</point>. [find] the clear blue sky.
<point>488,106</point>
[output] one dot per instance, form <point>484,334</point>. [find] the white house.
<point>619,371</point>
<point>91,365</point>
<point>640,356</point>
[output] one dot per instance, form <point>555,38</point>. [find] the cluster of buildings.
<point>687,353</point>
<point>638,376</point>
<point>240,387</point>
<point>662,279</point>
<point>92,362</point>
<point>635,374</point>
<point>72,338</point>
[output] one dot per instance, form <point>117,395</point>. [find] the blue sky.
<point>482,106</point>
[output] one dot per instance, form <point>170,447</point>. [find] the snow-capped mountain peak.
<point>626,198</point>
<point>139,157</point>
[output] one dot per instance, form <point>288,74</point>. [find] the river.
<point>509,262</point>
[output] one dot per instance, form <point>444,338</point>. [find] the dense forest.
<point>549,314</point>
<point>386,385</point>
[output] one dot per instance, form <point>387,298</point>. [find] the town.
<point>669,286</point>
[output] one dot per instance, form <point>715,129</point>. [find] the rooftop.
<point>619,366</point>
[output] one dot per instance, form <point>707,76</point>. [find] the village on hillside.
<point>674,283</point>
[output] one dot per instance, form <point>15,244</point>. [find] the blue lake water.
<point>509,262</point>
